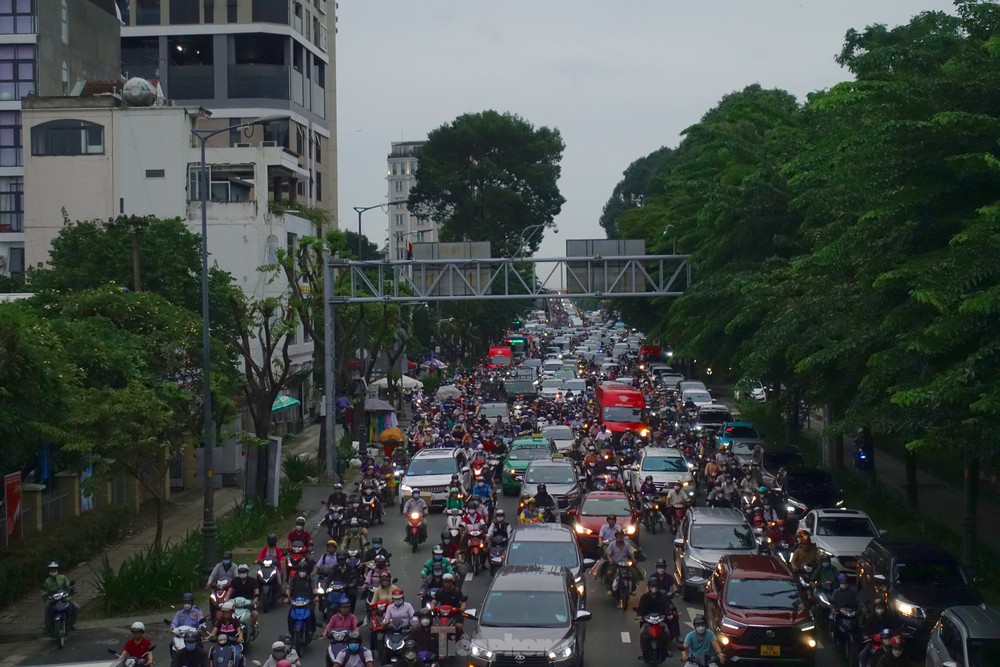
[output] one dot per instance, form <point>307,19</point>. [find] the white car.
<point>840,533</point>
<point>561,434</point>
<point>666,465</point>
<point>551,388</point>
<point>430,470</point>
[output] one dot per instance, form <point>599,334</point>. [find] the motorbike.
<point>622,585</point>
<point>331,592</point>
<point>267,581</point>
<point>677,514</point>
<point>60,610</point>
<point>296,555</point>
<point>177,641</point>
<point>480,468</point>
<point>133,662</point>
<point>333,521</point>
<point>338,642</point>
<point>782,549</point>
<point>498,548</point>
<point>414,529</point>
<point>376,612</point>
<point>447,616</point>
<point>701,661</point>
<point>395,637</point>
<point>845,633</point>
<point>216,598</point>
<point>475,546</point>
<point>371,501</point>
<point>241,614</point>
<point>300,615</point>
<point>453,524</point>
<point>659,638</point>
<point>651,514</point>
<point>229,654</point>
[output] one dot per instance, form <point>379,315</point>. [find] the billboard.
<point>590,275</point>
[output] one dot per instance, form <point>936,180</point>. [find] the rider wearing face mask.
<point>224,569</point>
<point>280,652</point>
<point>844,595</point>
<point>188,615</point>
<point>399,609</point>
<point>422,635</point>
<point>243,586</point>
<point>701,642</point>
<point>302,585</point>
<point>354,655</point>
<point>383,592</point>
<point>893,657</point>
<point>193,654</point>
<point>824,577</point>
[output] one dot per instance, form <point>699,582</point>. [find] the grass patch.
<point>298,468</point>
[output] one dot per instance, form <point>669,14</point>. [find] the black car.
<point>917,582</point>
<point>805,489</point>
<point>549,544</point>
<point>530,617</point>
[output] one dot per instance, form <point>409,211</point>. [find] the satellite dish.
<point>139,92</point>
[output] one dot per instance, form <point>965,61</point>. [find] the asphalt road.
<point>611,636</point>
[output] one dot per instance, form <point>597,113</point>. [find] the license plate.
<point>770,651</point>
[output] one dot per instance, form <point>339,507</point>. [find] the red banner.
<point>12,501</point>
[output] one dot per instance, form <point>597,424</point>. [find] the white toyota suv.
<point>430,470</point>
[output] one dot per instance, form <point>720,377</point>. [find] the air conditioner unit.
<point>270,144</point>
<point>244,145</point>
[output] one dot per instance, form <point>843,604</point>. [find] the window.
<point>10,139</point>
<point>399,220</point>
<point>16,263</point>
<point>155,173</point>
<point>184,12</point>
<point>236,133</point>
<point>319,151</point>
<point>272,249</point>
<point>291,240</point>
<point>395,170</point>
<point>17,17</point>
<point>11,204</point>
<point>17,71</point>
<point>319,186</point>
<point>398,186</point>
<point>232,11</point>
<point>64,17</point>
<point>147,12</point>
<point>227,182</point>
<point>277,132</point>
<point>67,137</point>
<point>420,236</point>
<point>209,11</point>
<point>413,167</point>
<point>269,11</point>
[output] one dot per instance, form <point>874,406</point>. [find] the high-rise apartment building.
<point>47,47</point>
<point>401,175</point>
<point>242,59</point>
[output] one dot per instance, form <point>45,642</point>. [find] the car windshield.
<point>713,417</point>
<point>984,652</point>
<point>843,526</point>
<point>557,554</point>
<point>799,485</point>
<point>763,594</point>
<point>552,384</point>
<point>576,386</point>
<point>740,432</point>
<point>529,453</point>
<point>558,432</point>
<point>549,475</point>
<point>525,609</point>
<point>606,507</point>
<point>435,466</point>
<point>624,414</point>
<point>929,573</point>
<point>664,464</point>
<point>721,537</point>
<point>780,459</point>
<point>698,397</point>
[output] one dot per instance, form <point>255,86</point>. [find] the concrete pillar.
<point>133,494</point>
<point>68,483</point>
<point>31,504</point>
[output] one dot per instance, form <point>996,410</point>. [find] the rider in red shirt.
<point>139,644</point>
<point>300,534</point>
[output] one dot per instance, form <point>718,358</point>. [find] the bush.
<point>298,468</point>
<point>72,541</point>
<point>151,579</point>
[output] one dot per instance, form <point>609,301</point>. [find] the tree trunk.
<point>969,517</point>
<point>827,445</point>
<point>912,492</point>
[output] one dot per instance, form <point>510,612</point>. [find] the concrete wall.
<point>92,50</point>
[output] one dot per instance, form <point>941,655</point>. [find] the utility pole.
<point>133,225</point>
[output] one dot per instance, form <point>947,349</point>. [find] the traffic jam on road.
<point>577,499</point>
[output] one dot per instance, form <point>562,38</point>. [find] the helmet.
<point>385,575</point>
<point>438,551</point>
<point>661,563</point>
<point>416,493</point>
<point>499,513</point>
<point>541,487</point>
<point>272,540</point>
<point>300,521</point>
<point>611,517</point>
<point>283,663</point>
<point>761,489</point>
<point>453,489</point>
<point>380,560</point>
<point>187,597</point>
<point>53,565</point>
<point>842,578</point>
<point>344,601</point>
<point>448,576</point>
<point>896,641</point>
<point>479,447</point>
<point>338,486</point>
<point>653,582</point>
<point>803,536</point>
<point>192,636</point>
<point>353,636</point>
<point>699,620</point>
<point>227,555</point>
<point>138,625</point>
<point>619,531</point>
<point>531,501</point>
<point>243,568</point>
<point>278,646</point>
<point>331,543</point>
<point>397,593</point>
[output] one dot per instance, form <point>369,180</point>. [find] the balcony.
<point>266,81</point>
<point>11,212</point>
<point>319,101</point>
<point>191,82</point>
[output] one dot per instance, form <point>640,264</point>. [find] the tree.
<point>643,179</point>
<point>488,177</point>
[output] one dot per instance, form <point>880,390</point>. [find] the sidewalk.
<point>22,621</point>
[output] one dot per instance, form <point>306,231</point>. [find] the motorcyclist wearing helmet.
<point>422,635</point>
<point>55,582</point>
<point>303,584</point>
<point>648,488</point>
<point>379,566</point>
<point>499,526</point>
<point>666,584</point>
<point>653,601</point>
<point>450,595</point>
<point>383,592</point>
<point>530,513</point>
<point>876,622</point>
<point>326,563</point>
<point>844,596</point>
<point>337,497</point>
<point>343,618</point>
<point>376,549</point>
<point>138,646</point>
<point>244,586</point>
<point>188,615</point>
<point>300,534</point>
<point>437,558</point>
<point>825,576</point>
<point>545,503</point>
<point>193,654</point>
<point>456,499</point>
<point>273,551</point>
<point>483,491</point>
<point>417,504</point>
<point>893,657</point>
<point>281,651</point>
<point>226,624</point>
<point>806,553</point>
<point>355,654</point>
<point>701,642</point>
<point>224,569</point>
<point>621,549</point>
<point>399,609</point>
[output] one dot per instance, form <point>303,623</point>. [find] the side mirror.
<point>712,595</point>
<point>679,542</point>
<point>879,577</point>
<point>471,613</point>
<point>465,469</point>
<point>588,562</point>
<point>583,615</point>
<point>883,531</point>
<point>570,512</point>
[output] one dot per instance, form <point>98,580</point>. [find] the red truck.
<point>622,408</point>
<point>498,356</point>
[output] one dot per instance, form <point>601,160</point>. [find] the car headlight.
<point>561,652</point>
<point>731,626</point>
<point>582,530</point>
<point>808,627</point>
<point>694,563</point>
<point>630,530</point>
<point>907,609</point>
<point>723,639</point>
<point>480,652</point>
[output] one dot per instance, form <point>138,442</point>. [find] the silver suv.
<point>706,535</point>
<point>965,636</point>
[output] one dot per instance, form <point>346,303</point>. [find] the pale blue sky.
<point>619,78</point>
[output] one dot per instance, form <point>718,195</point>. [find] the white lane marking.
<point>469,576</point>
<point>626,638</point>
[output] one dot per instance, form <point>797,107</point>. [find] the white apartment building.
<point>401,175</point>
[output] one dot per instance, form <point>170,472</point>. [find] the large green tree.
<point>489,176</point>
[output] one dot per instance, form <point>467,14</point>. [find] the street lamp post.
<point>668,230</point>
<point>208,528</point>
<point>362,209</point>
<point>522,241</point>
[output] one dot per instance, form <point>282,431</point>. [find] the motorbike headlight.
<point>907,609</point>
<point>562,651</point>
<point>414,515</point>
<point>630,530</point>
<point>480,652</point>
